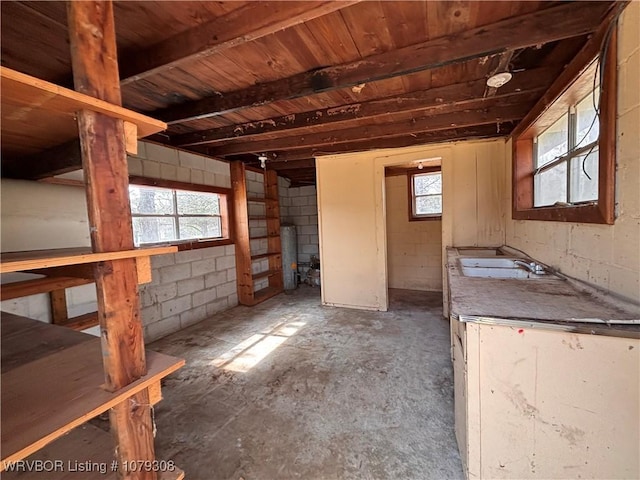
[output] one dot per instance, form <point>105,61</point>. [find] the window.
<point>425,195</point>
<point>564,151</point>
<point>161,214</point>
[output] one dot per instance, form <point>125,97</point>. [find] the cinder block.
<point>308,190</point>
<point>223,263</point>
<point>183,174</point>
<point>197,177</point>
<point>303,239</point>
<point>191,160</point>
<point>161,293</point>
<point>309,210</point>
<point>150,169</point>
<point>301,220</point>
<point>232,300</point>
<point>168,172</point>
<point>210,179</point>
<point>226,289</point>
<point>218,305</point>
<point>223,181</point>
<point>162,154</point>
<point>174,273</point>
<point>193,316</point>
<point>308,229</point>
<point>162,328</point>
<point>624,282</point>
<point>176,306</point>
<point>314,239</point>
<point>310,249</point>
<point>230,250</point>
<point>299,201</point>
<point>158,261</point>
<point>232,275</point>
<point>135,165</point>
<point>188,255</point>
<point>190,285</point>
<point>216,166</point>
<point>202,297</point>
<point>142,149</point>
<point>312,200</point>
<point>151,314</point>
<point>203,267</point>
<point>294,211</point>
<point>216,278</point>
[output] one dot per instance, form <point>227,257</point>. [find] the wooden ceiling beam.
<point>462,133</point>
<point>440,98</point>
<point>551,24</point>
<point>481,114</point>
<point>247,23</point>
<point>282,166</point>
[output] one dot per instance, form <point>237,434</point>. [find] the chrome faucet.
<point>532,267</point>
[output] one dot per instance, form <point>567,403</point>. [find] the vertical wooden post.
<point>104,159</point>
<point>273,227</point>
<point>58,300</point>
<point>241,232</point>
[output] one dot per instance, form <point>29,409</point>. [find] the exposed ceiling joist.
<point>292,165</point>
<point>482,113</point>
<point>551,24</point>
<point>464,133</point>
<point>440,98</point>
<point>248,23</point>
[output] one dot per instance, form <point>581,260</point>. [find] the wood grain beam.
<point>292,165</point>
<point>243,25</point>
<point>481,114</point>
<point>551,24</point>
<point>451,97</point>
<point>462,133</point>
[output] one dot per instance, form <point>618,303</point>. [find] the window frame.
<point>225,210</point>
<point>566,90</point>
<point>410,175</point>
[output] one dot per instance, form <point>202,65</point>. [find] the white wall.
<point>414,249</point>
<point>351,197</point>
<point>607,256</point>
<point>187,286</point>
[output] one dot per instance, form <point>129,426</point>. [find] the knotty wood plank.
<point>35,286</point>
<point>441,99</point>
<point>38,115</point>
<point>555,23</point>
<point>37,259</point>
<point>73,381</point>
<point>250,22</point>
<point>241,232</point>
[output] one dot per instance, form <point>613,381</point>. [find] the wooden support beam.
<point>245,24</point>
<point>58,300</point>
<point>446,98</point>
<point>292,164</point>
<point>83,270</point>
<point>543,26</point>
<point>464,133</point>
<point>375,132</point>
<point>241,232</point>
<point>102,140</point>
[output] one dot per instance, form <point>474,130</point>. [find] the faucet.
<point>532,267</point>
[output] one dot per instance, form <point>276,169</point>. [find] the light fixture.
<point>420,166</point>
<point>499,79</point>
<point>263,160</point>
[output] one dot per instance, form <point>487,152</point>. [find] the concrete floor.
<point>291,389</point>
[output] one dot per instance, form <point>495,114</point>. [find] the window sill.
<point>194,244</point>
<point>574,213</point>
<point>425,219</point>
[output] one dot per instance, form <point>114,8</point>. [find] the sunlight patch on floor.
<point>248,353</point>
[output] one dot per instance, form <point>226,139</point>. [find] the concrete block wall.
<point>302,211</point>
<point>188,287</point>
<point>607,256</point>
<point>414,249</point>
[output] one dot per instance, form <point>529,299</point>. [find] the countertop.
<point>550,300</point>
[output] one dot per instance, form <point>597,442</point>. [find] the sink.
<point>494,267</point>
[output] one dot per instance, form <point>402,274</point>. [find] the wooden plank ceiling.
<point>294,80</point>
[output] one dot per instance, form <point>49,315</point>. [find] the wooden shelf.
<point>261,217</point>
<point>86,443</point>
<point>260,199</point>
<point>266,273</point>
<point>264,237</point>
<point>38,115</point>
<point>265,255</point>
<point>25,261</point>
<point>265,293</point>
<point>45,395</point>
<point>34,286</point>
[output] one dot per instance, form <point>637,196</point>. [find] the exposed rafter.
<point>481,114</point>
<point>446,98</point>
<point>551,24</point>
<point>248,23</point>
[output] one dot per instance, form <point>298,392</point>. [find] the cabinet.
<point>55,379</point>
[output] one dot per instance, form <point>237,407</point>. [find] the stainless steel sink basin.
<point>494,267</point>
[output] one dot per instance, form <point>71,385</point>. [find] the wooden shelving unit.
<point>245,258</point>
<point>54,379</point>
